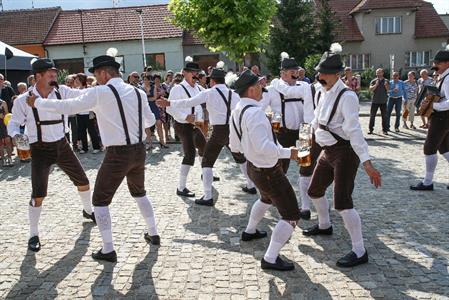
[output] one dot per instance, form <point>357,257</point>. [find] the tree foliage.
<point>294,32</point>
<point>236,27</point>
<point>326,24</point>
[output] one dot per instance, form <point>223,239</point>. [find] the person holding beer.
<point>124,118</point>
<point>338,132</point>
<point>220,101</point>
<point>437,139</point>
<point>46,134</point>
<point>189,132</point>
<point>251,134</point>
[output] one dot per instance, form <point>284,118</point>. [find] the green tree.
<point>310,64</point>
<point>293,32</point>
<point>236,27</point>
<point>326,22</point>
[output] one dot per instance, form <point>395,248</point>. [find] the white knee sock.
<point>279,237</point>
<point>200,159</point>
<point>208,178</point>
<point>257,212</point>
<point>244,169</point>
<point>146,209</point>
<point>431,164</point>
<point>86,200</point>
<point>322,208</point>
<point>104,224</point>
<point>353,224</point>
<point>183,172</point>
<point>34,214</point>
<point>304,182</point>
<point>446,156</point>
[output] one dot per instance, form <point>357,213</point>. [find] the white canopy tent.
<point>20,61</point>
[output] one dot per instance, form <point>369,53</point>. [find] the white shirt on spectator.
<point>102,101</point>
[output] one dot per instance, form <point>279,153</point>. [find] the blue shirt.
<point>401,89</point>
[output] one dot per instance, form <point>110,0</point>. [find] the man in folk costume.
<point>220,101</point>
<point>191,137</point>
<point>437,138</point>
<point>124,119</point>
<point>46,133</point>
<point>251,134</point>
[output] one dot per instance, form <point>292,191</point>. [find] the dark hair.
<point>158,76</point>
<point>82,78</point>
<point>114,72</point>
<point>219,80</point>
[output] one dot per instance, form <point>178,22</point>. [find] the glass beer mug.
<point>198,121</point>
<point>304,145</point>
<point>276,122</point>
<point>23,147</point>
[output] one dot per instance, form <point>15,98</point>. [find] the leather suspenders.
<point>122,113</point>
<point>283,101</point>
<point>188,94</point>
<point>40,123</point>
<point>227,103</point>
<point>239,133</point>
<point>334,109</point>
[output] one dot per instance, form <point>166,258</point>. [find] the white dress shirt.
<point>257,142</point>
<point>178,93</point>
<point>214,103</point>
<point>443,104</point>
<point>310,106</point>
<point>295,112</point>
<point>23,114</point>
<point>102,101</point>
<point>345,122</point>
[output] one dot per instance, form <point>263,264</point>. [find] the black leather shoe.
<point>253,236</point>
<point>385,132</point>
<point>279,265</point>
<point>152,239</point>
<point>370,132</point>
<point>89,217</point>
<point>251,191</point>
<point>215,178</point>
<point>201,201</point>
<point>110,257</point>
<point>34,244</point>
<point>315,230</point>
<point>421,187</point>
<point>304,214</point>
<point>185,192</point>
<point>351,260</point>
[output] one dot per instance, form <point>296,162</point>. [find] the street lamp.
<point>139,11</point>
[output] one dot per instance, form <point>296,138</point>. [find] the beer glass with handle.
<point>304,145</point>
<point>276,122</point>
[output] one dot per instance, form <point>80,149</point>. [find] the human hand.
<point>162,102</point>
<point>190,118</point>
<point>294,153</point>
<point>373,174</point>
<point>31,99</point>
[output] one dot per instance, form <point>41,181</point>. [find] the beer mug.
<point>304,145</point>
<point>23,147</point>
<point>304,157</point>
<point>276,122</point>
<point>198,121</point>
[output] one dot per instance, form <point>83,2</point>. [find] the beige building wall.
<point>380,46</point>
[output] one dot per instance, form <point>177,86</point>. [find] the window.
<point>156,60</point>
<point>388,25</point>
<point>73,66</point>
<point>417,58</point>
<point>204,61</point>
<point>357,61</point>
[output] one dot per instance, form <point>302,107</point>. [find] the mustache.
<point>295,77</point>
<point>323,82</point>
<point>434,68</point>
<point>53,83</point>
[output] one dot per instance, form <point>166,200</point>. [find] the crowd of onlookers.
<point>387,95</point>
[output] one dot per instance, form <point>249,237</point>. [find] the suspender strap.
<point>239,133</point>
<point>441,84</point>
<point>40,123</point>
<point>122,113</point>
<point>317,99</point>
<point>228,103</point>
<point>139,98</point>
<point>313,90</point>
<point>188,94</point>
<point>283,101</point>
<point>334,109</point>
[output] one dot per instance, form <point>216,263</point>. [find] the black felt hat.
<point>104,61</point>
<point>245,80</point>
<point>330,63</point>
<point>42,65</point>
<point>217,73</point>
<point>289,63</point>
<point>442,55</point>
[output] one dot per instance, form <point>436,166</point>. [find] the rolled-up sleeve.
<point>290,91</point>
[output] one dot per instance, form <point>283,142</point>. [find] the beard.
<point>322,82</point>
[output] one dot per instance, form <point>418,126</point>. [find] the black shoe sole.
<point>156,240</point>
<point>358,262</point>
<point>268,266</point>
<point>104,257</point>
<point>249,237</point>
<point>182,194</point>
<point>204,202</point>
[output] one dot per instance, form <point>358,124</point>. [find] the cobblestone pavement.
<point>201,257</point>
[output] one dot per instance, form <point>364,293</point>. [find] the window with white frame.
<point>417,58</point>
<point>357,61</point>
<point>388,25</point>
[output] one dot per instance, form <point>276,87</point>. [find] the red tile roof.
<point>347,29</point>
<point>428,23</point>
<point>379,4</point>
<point>26,26</point>
<point>112,24</point>
<point>189,39</point>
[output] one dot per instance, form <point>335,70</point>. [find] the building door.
<point>206,60</point>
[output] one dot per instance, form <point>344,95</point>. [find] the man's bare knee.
<point>36,202</point>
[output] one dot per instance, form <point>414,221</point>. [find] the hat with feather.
<point>331,61</point>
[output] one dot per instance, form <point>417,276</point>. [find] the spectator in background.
<point>255,70</point>
<point>22,88</point>
<point>379,87</point>
<point>202,79</point>
<point>424,80</point>
<point>90,80</point>
<point>6,93</point>
<point>85,122</point>
<point>5,140</point>
<point>72,119</point>
<point>166,85</point>
<point>396,94</point>
<point>351,81</point>
<point>69,80</point>
<point>411,94</point>
<point>31,81</point>
<point>302,75</point>
<point>177,79</point>
<point>134,78</point>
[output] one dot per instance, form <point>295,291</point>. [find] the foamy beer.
<point>23,147</point>
<point>198,122</point>
<point>304,145</point>
<point>276,122</point>
<point>304,158</point>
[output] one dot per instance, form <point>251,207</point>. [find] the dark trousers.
<point>437,138</point>
<point>191,138</point>
<point>86,125</point>
<point>397,104</point>
<point>218,140</point>
<point>73,124</point>
<point>287,138</point>
<point>383,112</point>
<point>120,162</point>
